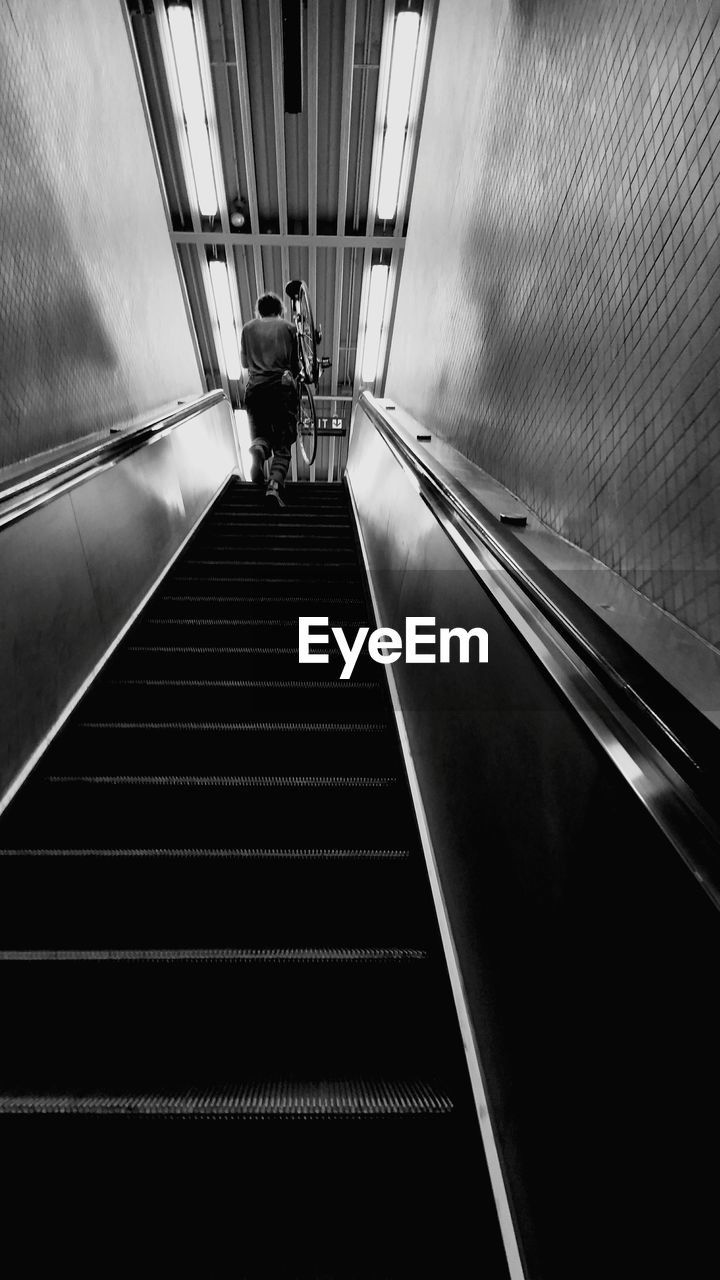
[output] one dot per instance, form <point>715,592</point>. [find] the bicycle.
<point>308,338</point>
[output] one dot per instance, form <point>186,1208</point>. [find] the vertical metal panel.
<point>73,572</point>
<point>347,83</point>
<point>273,269</point>
<point>247,134</point>
<point>276,57</point>
<point>383,79</point>
<point>212,313</point>
<point>245,277</point>
<point>312,113</point>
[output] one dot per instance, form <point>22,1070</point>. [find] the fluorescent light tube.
<point>402,62</point>
<point>182,32</point>
<point>375,315</point>
<point>226,320</point>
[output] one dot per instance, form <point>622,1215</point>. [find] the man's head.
<point>269,304</point>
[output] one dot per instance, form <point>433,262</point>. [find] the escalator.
<point>214,906</point>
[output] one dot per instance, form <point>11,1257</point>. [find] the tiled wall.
<point>92,325</point>
<point>558,315</point>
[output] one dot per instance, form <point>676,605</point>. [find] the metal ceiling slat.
<point>276,58</point>
<point>201,315</point>
<point>346,109</point>
<point>344,168</point>
<point>247,135</point>
<point>383,79</point>
<point>363,67</point>
<point>207,286</point>
<point>388,320</point>
<point>362,324</point>
<point>313,38</point>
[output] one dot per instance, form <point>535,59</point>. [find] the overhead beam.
<point>243,84</point>
<point>292,240</point>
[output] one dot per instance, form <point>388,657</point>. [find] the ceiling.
<point>307,181</point>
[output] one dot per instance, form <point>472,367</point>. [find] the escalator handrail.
<point>37,487</point>
<point>691,747</point>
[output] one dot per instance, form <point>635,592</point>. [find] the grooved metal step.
<point>228,648</point>
<point>356,685</point>
<point>256,955</point>
<point>235,622</point>
<point>212,780</point>
<point>234,577</point>
<point>286,564</point>
<point>232,726</point>
<point>288,1100</point>
<point>252,854</point>
<point>256,599</point>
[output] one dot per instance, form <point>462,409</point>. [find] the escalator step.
<point>254,955</point>
<point>274,579</point>
<point>254,855</point>
<point>257,599</point>
<point>221,780</point>
<point>263,1099</point>
<point>227,648</point>
<point>234,726</point>
<point>357,686</point>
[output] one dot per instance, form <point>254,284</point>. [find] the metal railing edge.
<point>39,487</point>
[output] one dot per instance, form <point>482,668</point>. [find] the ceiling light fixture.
<point>220,282</point>
<point>377,294</point>
<point>402,63</point>
<point>182,34</point>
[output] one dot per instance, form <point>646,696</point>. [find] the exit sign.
<point>330,426</point>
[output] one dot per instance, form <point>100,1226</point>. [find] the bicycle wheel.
<point>306,423</point>
<point>307,333</point>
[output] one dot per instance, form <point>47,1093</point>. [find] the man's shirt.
<point>267,349</point>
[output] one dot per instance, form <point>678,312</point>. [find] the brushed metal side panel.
<point>130,519</point>
<point>47,602</point>
<point>559,888</point>
<point>203,449</point>
<point>72,574</point>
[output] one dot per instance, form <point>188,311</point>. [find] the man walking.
<point>268,353</point>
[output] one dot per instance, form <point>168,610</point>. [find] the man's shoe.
<point>273,493</point>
